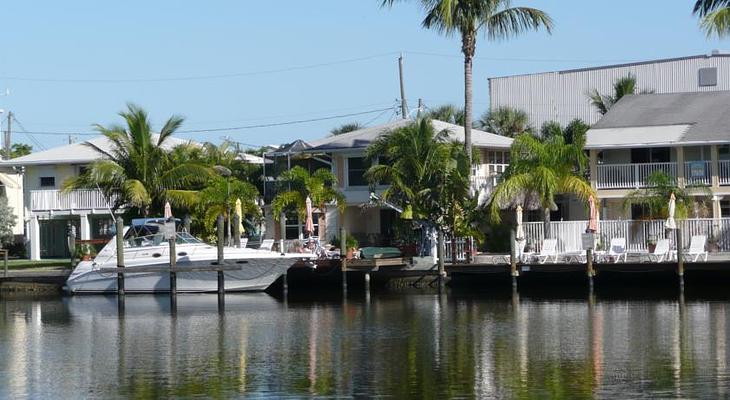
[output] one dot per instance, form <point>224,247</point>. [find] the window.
<point>725,209</point>
<point>356,167</point>
<point>48,181</point>
<point>708,76</point>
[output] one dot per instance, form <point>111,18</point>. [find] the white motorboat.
<point>144,247</point>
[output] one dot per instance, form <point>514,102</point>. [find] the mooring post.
<point>589,266</point>
<point>5,262</point>
<point>120,255</point>
<point>282,235</point>
<point>367,282</point>
<point>513,256</point>
<point>237,231</point>
<point>221,260</point>
<point>173,264</point>
<point>440,252</point>
<point>680,257</point>
<point>343,257</point>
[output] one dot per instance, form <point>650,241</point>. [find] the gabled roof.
<point>77,153</point>
<point>664,120</point>
<point>362,138</point>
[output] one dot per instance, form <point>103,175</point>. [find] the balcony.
<point>54,200</point>
<point>724,172</point>
<point>698,172</point>
<point>631,176</point>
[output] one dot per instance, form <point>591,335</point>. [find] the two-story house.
<point>344,156</point>
<point>685,135</point>
<point>47,211</point>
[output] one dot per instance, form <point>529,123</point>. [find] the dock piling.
<point>513,257</point>
<point>589,267</point>
<point>237,231</point>
<point>680,258</point>
<point>120,255</point>
<point>440,253</point>
<point>173,263</point>
<point>343,258</point>
<point>221,260</point>
<point>5,262</point>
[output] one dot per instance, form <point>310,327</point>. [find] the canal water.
<point>397,345</point>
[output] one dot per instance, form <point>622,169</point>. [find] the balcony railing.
<point>51,200</point>
<point>724,172</point>
<point>698,172</point>
<point>628,176</point>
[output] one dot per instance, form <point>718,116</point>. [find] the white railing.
<point>627,176</point>
<point>637,233</point>
<point>724,172</point>
<point>698,172</point>
<point>461,249</point>
<point>48,200</point>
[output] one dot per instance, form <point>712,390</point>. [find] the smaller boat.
<point>145,247</point>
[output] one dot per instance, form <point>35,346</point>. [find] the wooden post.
<point>120,255</point>
<point>589,266</point>
<point>237,231</point>
<point>282,229</point>
<point>513,256</point>
<point>680,256</point>
<point>367,282</point>
<point>440,252</point>
<point>173,263</point>
<point>343,257</point>
<point>5,262</point>
<point>221,288</point>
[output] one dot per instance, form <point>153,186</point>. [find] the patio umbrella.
<point>168,210</point>
<point>309,223</point>
<point>238,211</point>
<point>520,232</point>
<point>671,224</point>
<point>592,214</point>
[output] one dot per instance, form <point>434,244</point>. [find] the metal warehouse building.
<point>563,95</point>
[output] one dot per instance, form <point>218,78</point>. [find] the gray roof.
<point>361,138</point>
<point>701,117</point>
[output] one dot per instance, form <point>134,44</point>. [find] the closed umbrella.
<point>168,210</point>
<point>671,223</point>
<point>239,212</point>
<point>309,223</point>
<point>520,234</point>
<point>592,214</point>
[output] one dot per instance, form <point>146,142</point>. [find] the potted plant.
<point>651,243</point>
<point>85,252</point>
<point>350,242</point>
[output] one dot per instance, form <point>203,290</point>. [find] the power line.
<point>28,134</point>
<point>199,77</point>
<point>521,59</point>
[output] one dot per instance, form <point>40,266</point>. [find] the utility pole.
<point>7,136</point>
<point>403,104</point>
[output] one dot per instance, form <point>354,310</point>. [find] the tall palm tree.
<point>714,16</point>
<point>219,198</point>
<point>447,113</point>
<point>505,121</point>
<point>467,18</point>
<point>539,170</point>
<point>137,172</point>
<point>622,87</point>
<point>345,128</point>
<point>297,183</point>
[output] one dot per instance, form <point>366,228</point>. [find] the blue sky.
<point>73,41</point>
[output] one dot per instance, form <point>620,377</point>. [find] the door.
<point>53,237</point>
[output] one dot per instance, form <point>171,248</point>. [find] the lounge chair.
<point>662,252</point>
<point>244,242</point>
<point>617,250</point>
<point>696,248</point>
<point>266,244</point>
<point>549,249</point>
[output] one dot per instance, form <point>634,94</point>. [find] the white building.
<point>563,95</point>
<point>11,187</point>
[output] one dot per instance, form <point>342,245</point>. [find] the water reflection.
<point>404,346</point>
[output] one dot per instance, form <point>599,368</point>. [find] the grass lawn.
<point>23,263</point>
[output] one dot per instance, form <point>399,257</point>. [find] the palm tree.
<point>496,18</point>
<point>348,127</point>
<point>137,172</point>
<point>219,198</point>
<point>714,16</point>
<point>505,121</point>
<point>622,87</point>
<point>655,198</point>
<point>297,183</point>
<point>539,170</point>
<point>447,113</point>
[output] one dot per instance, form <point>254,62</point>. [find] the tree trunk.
<point>546,223</point>
<point>468,46</point>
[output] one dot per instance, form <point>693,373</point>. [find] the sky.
<point>227,64</point>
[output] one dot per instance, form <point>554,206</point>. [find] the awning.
<point>638,136</point>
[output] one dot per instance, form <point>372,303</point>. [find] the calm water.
<point>397,345</point>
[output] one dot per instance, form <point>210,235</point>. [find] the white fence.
<point>461,249</point>
<point>637,233</point>
<point>47,200</point>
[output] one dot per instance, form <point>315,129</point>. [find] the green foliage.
<point>622,87</point>
<point>85,249</point>
<point>447,113</point>
<point>17,150</point>
<point>139,172</point>
<point>297,183</point>
<point>714,17</point>
<point>7,222</point>
<point>350,241</point>
<point>655,198</point>
<point>505,121</point>
<point>345,128</point>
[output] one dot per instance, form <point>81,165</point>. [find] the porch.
<point>57,200</point>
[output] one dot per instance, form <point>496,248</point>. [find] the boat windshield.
<point>151,235</point>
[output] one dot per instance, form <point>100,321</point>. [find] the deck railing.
<point>462,247</point>
<point>51,200</point>
<point>698,172</point>
<point>637,233</point>
<point>627,176</point>
<point>724,172</point>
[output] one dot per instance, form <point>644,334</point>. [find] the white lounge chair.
<point>662,251</point>
<point>266,244</point>
<point>696,248</point>
<point>549,249</point>
<point>617,250</point>
<point>244,242</point>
